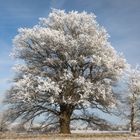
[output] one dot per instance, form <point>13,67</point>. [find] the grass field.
<point>107,136</point>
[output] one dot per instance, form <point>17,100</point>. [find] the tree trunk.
<point>132,118</point>
<point>65,123</point>
<point>65,114</point>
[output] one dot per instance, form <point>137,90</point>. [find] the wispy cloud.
<point>58,4</point>
<point>4,80</point>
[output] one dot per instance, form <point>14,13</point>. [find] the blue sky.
<point>121,18</point>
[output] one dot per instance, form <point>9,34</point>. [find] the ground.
<point>75,139</point>
<point>76,136</point>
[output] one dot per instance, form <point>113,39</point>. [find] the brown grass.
<point>62,136</point>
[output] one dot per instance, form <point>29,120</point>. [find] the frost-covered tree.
<point>67,71</point>
<point>4,125</point>
<point>132,101</point>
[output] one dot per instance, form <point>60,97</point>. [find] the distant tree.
<point>133,99</point>
<point>4,125</point>
<point>67,71</point>
<point>18,128</point>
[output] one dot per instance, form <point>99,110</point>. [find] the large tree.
<point>67,71</point>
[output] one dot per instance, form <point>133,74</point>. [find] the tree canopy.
<point>67,71</point>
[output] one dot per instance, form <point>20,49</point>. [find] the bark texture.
<point>65,115</point>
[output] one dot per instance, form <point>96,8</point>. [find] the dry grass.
<point>109,136</point>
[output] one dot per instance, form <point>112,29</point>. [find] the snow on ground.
<point>99,132</point>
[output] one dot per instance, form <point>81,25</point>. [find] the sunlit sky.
<point>121,18</point>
